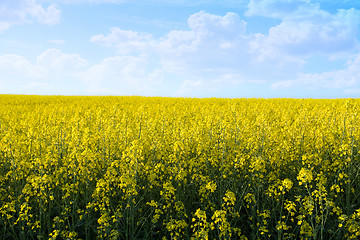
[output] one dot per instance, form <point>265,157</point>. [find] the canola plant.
<point>179,168</point>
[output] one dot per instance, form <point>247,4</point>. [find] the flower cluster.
<point>179,168</point>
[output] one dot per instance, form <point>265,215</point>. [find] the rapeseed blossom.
<point>179,168</point>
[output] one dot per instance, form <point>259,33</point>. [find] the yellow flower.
<point>305,176</point>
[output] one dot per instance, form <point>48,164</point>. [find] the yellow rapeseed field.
<point>179,168</point>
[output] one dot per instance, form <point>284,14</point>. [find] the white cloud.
<point>53,72</point>
<point>214,49</point>
<point>217,47</point>
<point>305,29</point>
<point>228,24</point>
<point>4,26</point>
<point>21,11</point>
<point>15,65</point>
<point>214,44</point>
<point>17,74</point>
<point>55,61</point>
<point>124,75</point>
<point>347,77</point>
<point>215,53</point>
<point>51,15</point>
<point>124,41</point>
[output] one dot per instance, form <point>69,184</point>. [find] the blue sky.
<point>229,48</point>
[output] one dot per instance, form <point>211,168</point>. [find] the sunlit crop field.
<point>178,168</point>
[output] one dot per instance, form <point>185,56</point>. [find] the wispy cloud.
<point>126,75</point>
<point>124,41</point>
<point>213,53</point>
<point>218,47</point>
<point>343,78</point>
<point>22,11</point>
<point>305,29</point>
<point>53,69</point>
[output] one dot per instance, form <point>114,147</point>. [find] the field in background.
<point>177,168</point>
